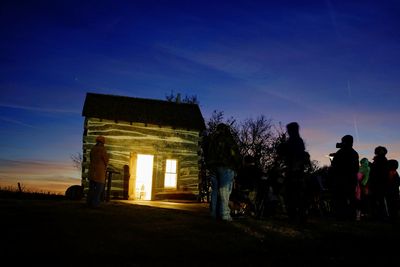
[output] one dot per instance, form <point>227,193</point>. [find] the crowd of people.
<point>363,189</point>
<point>358,189</point>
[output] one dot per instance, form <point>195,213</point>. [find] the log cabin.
<point>153,145</point>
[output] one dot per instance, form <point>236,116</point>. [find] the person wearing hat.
<point>344,167</point>
<point>97,172</point>
<point>378,180</point>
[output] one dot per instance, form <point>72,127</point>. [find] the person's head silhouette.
<point>347,141</point>
<point>380,151</point>
<point>293,129</point>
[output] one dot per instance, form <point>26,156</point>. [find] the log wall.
<point>124,140</point>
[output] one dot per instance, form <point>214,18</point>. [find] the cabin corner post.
<point>132,177</point>
<point>85,163</point>
<point>126,182</point>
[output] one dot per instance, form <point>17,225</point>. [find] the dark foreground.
<point>66,233</point>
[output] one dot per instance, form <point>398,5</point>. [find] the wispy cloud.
<point>234,61</point>
<point>250,66</point>
<point>39,109</point>
<point>17,122</point>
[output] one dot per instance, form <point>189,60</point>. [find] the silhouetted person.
<point>378,180</point>
<point>246,183</point>
<point>295,159</point>
<point>223,159</point>
<point>362,189</point>
<point>249,175</point>
<point>392,190</point>
<point>344,168</point>
<point>97,172</point>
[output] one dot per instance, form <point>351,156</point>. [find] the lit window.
<point>170,173</point>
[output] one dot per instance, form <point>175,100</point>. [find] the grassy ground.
<point>58,232</point>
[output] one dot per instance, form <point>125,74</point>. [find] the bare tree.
<point>260,138</point>
<point>178,98</point>
<point>77,160</point>
<point>255,136</point>
<point>216,118</point>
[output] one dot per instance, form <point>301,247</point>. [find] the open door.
<point>144,176</point>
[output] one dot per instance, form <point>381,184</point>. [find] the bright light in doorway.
<point>144,176</point>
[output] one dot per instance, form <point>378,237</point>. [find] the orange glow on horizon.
<point>38,176</point>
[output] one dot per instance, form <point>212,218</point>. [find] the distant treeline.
<point>14,194</point>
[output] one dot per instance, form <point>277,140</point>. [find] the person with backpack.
<point>223,159</point>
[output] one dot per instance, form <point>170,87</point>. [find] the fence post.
<point>107,198</point>
<point>126,182</point>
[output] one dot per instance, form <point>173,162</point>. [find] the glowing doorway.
<point>144,176</point>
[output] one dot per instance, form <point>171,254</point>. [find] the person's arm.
<point>105,157</point>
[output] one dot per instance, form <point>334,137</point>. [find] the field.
<point>58,232</point>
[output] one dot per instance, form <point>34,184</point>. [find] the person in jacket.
<point>362,189</point>
<point>344,166</point>
<point>97,172</point>
<point>223,159</point>
<point>295,159</point>
<point>392,190</point>
<point>378,180</point>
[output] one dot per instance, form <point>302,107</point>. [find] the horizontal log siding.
<point>124,139</point>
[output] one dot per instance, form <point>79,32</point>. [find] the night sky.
<point>332,66</point>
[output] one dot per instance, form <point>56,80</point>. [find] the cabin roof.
<point>151,111</point>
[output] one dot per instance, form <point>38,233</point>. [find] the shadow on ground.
<point>122,233</point>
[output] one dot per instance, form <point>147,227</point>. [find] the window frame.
<point>169,175</point>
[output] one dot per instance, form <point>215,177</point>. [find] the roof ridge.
<point>141,98</point>
<point>145,110</point>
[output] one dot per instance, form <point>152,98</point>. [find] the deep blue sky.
<point>333,66</point>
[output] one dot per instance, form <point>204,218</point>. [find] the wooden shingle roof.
<point>132,109</point>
